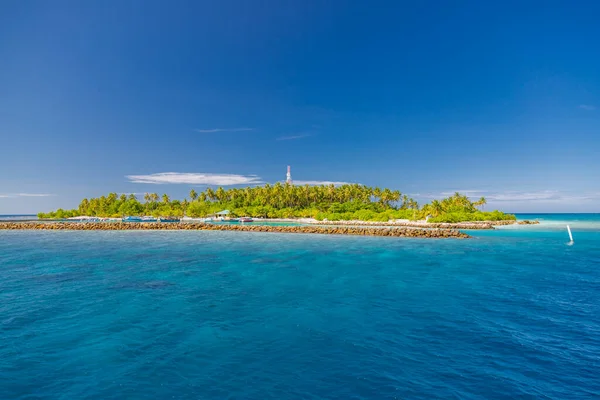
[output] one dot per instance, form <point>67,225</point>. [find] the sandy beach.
<point>403,223</point>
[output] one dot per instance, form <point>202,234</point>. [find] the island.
<point>349,209</point>
<point>351,202</point>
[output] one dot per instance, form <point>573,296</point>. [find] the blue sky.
<point>493,99</point>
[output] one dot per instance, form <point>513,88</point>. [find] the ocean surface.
<point>510,314</point>
<point>18,217</point>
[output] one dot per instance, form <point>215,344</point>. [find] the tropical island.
<point>351,202</point>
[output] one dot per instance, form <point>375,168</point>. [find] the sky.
<point>491,99</point>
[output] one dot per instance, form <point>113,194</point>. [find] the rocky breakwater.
<point>527,222</point>
<point>327,230</point>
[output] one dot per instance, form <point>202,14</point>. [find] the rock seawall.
<point>327,230</point>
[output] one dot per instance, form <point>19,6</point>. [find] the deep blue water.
<point>512,313</point>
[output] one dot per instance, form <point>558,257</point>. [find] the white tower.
<point>288,176</point>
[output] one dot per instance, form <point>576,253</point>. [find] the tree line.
<point>345,202</point>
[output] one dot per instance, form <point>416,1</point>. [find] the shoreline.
<point>411,232</point>
<point>405,223</point>
<point>472,225</point>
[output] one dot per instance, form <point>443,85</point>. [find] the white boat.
<point>84,218</point>
<point>190,219</point>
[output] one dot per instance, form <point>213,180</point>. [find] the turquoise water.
<point>588,222</point>
<point>511,313</point>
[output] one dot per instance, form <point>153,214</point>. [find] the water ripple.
<point>228,315</point>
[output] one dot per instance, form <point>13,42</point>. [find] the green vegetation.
<point>346,202</point>
<point>458,208</point>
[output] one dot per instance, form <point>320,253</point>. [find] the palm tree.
<point>386,197</point>
<point>426,211</point>
<point>210,194</point>
<point>436,208</point>
<point>377,193</point>
<point>481,202</point>
<point>184,205</point>
<point>405,202</point>
<point>220,194</point>
<point>396,195</point>
<point>331,192</point>
<point>83,207</point>
<point>193,195</point>
<point>165,198</point>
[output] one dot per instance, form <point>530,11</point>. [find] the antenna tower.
<point>288,176</point>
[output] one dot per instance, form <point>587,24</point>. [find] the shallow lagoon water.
<point>511,313</point>
<point>551,222</point>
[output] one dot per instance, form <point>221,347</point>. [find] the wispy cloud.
<point>543,196</point>
<point>193,178</point>
<point>318,183</point>
<point>465,192</point>
<point>439,195</point>
<point>13,195</point>
<point>33,195</point>
<point>216,130</point>
<point>587,107</point>
<point>520,196</point>
<point>294,137</point>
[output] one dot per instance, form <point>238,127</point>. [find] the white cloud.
<point>192,178</point>
<point>294,137</point>
<point>587,107</point>
<point>216,130</point>
<point>318,183</point>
